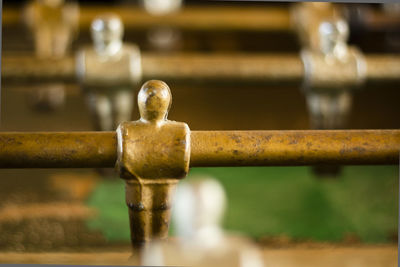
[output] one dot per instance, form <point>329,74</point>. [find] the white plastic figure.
<point>109,73</point>
<point>197,213</point>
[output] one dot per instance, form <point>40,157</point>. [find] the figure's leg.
<point>100,107</point>
<point>61,41</point>
<point>123,103</point>
<point>43,44</point>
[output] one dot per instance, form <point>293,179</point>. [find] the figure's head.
<point>161,7</point>
<point>154,100</point>
<point>107,30</point>
<point>199,207</point>
<point>51,3</point>
<point>332,33</point>
<point>318,6</point>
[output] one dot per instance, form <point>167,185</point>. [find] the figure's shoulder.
<point>71,7</point>
<point>130,48</point>
<point>85,51</point>
<point>129,124</point>
<point>168,125</point>
<point>177,125</point>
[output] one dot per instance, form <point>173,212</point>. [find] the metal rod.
<point>208,148</point>
<point>224,67</point>
<point>267,68</point>
<point>57,150</point>
<point>189,18</point>
<point>30,68</point>
<point>260,18</point>
<point>295,148</point>
<point>383,67</point>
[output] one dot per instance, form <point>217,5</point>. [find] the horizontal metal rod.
<point>211,18</point>
<point>57,149</point>
<point>188,18</point>
<point>208,148</point>
<point>295,148</point>
<point>267,68</point>
<point>224,67</point>
<point>24,67</point>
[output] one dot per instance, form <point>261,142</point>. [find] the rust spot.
<point>359,149</point>
<point>267,137</point>
<point>136,207</point>
<point>260,150</point>
<point>293,142</point>
<point>235,138</point>
<point>163,206</point>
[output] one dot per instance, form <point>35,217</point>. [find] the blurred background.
<point>75,210</point>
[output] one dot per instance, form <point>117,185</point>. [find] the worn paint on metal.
<point>294,148</point>
<point>208,148</point>
<point>58,150</point>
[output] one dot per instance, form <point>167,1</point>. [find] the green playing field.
<point>284,201</point>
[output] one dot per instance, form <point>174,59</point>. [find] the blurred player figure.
<point>198,211</point>
<point>54,25</point>
<point>329,103</point>
<point>162,7</point>
<point>163,37</point>
<point>306,18</point>
<point>110,99</point>
<point>330,108</point>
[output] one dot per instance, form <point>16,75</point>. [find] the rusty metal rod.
<point>208,148</point>
<point>57,150</point>
<point>268,68</point>
<point>295,148</point>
